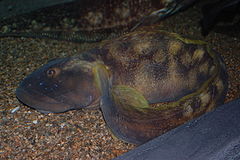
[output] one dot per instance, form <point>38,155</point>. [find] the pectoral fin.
<point>125,111</point>
<point>129,99</point>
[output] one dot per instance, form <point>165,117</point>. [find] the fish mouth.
<point>41,103</point>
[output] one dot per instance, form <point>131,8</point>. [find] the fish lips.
<point>41,103</point>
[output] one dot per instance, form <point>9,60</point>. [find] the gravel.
<point>79,134</point>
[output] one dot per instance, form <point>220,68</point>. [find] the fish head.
<point>60,85</point>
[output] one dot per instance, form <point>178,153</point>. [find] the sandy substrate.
<point>81,134</point>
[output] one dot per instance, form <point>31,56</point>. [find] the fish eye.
<point>53,72</point>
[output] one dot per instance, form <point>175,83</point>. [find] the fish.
<point>83,21</point>
<point>146,83</point>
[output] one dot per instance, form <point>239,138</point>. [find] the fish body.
<point>146,82</point>
<point>92,21</point>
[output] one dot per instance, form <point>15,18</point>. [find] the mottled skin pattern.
<point>107,14</point>
<point>95,20</point>
<point>148,82</point>
<point>89,21</point>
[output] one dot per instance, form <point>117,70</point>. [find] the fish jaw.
<point>41,103</point>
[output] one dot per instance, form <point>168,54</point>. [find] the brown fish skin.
<point>91,21</point>
<point>114,13</point>
<point>144,59</point>
<point>82,21</point>
<point>148,81</point>
<point>180,79</point>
